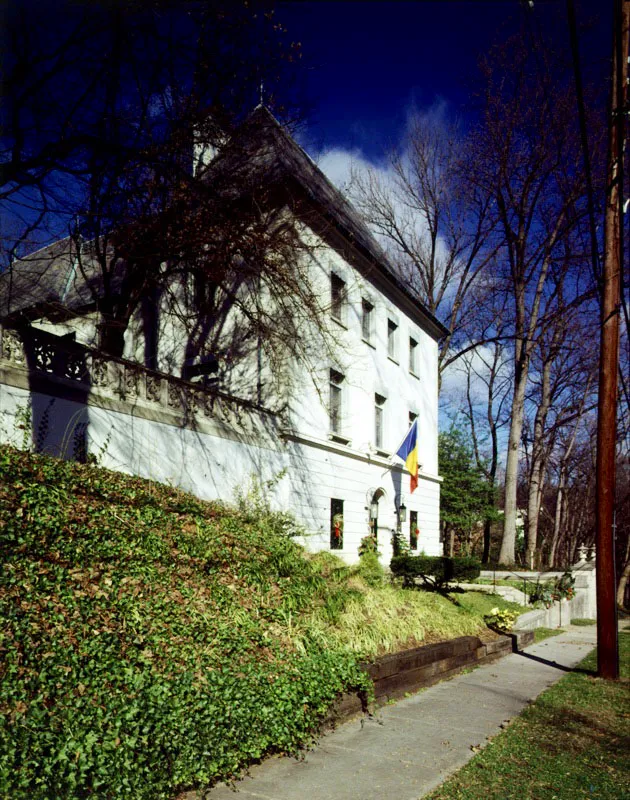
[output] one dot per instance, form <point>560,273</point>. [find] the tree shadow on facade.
<point>59,386</point>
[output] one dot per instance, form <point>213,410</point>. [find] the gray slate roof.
<point>49,282</point>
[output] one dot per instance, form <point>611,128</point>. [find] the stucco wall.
<point>214,460</point>
<point>367,367</point>
<point>132,426</point>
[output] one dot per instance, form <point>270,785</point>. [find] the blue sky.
<point>367,64</point>
<point>370,65</point>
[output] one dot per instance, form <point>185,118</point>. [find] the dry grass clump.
<point>373,618</point>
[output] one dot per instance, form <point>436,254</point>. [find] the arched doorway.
<point>374,498</point>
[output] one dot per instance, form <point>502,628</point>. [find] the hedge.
<point>436,571</point>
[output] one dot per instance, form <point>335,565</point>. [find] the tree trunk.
<point>487,526</point>
<point>534,498</point>
<point>557,522</point>
<point>537,474</point>
<point>624,578</point>
<point>111,336</point>
<point>507,554</point>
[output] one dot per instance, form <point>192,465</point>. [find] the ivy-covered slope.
<point>145,644</point>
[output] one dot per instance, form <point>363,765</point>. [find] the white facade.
<point>347,413</point>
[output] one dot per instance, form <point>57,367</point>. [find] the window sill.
<point>393,360</point>
<point>369,343</point>
<point>339,438</point>
<point>414,374</point>
<point>382,453</point>
<point>339,322</point>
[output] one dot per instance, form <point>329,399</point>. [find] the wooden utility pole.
<point>607,644</point>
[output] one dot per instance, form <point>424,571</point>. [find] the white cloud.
<point>341,165</point>
<point>337,165</point>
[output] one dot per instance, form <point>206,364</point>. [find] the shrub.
<point>368,545</point>
<point>436,571</point>
<point>370,569</point>
<point>501,620</point>
<point>542,593</point>
<point>558,589</point>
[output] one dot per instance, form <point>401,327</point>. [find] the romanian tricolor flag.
<point>408,451</point>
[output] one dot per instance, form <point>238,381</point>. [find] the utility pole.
<point>607,642</point>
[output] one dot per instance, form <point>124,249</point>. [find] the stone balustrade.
<point>36,359</point>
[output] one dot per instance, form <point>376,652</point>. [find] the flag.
<point>408,451</point>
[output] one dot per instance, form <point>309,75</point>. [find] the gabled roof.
<point>53,282</point>
<point>261,152</point>
<point>274,156</point>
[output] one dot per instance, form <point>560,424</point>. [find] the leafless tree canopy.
<point>491,227</point>
<point>102,106</point>
<point>433,221</point>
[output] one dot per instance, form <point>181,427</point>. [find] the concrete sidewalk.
<point>410,747</point>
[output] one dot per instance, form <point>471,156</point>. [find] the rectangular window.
<point>336,524</point>
<point>379,419</point>
<point>414,531</point>
<point>334,408</point>
<point>337,297</point>
<point>366,320</point>
<point>391,338</point>
<point>413,356</point>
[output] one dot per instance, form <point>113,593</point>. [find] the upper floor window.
<point>379,419</point>
<point>412,418</point>
<point>392,329</point>
<point>413,356</point>
<point>334,406</point>
<point>367,310</point>
<point>337,297</point>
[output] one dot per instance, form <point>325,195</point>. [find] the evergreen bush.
<point>436,572</point>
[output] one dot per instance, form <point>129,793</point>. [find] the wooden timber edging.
<point>396,674</point>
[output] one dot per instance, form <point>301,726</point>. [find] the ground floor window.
<point>336,524</point>
<point>414,531</point>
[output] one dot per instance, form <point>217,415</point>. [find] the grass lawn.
<point>482,603</point>
<point>540,634</point>
<point>573,742</point>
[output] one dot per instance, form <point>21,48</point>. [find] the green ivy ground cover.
<point>145,644</point>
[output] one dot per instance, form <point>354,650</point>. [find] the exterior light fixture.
<point>374,509</point>
<point>402,512</point>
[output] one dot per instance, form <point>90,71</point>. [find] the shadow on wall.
<point>210,465</point>
<point>58,428</point>
<point>239,439</point>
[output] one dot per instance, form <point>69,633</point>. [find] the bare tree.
<point>488,374</point>
<point>527,160</point>
<point>562,379</point>
<point>433,222</point>
<point>106,105</point>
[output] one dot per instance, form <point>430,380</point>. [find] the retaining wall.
<point>582,605</point>
<point>396,674</point>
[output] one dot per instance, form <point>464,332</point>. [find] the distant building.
<point>208,423</point>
